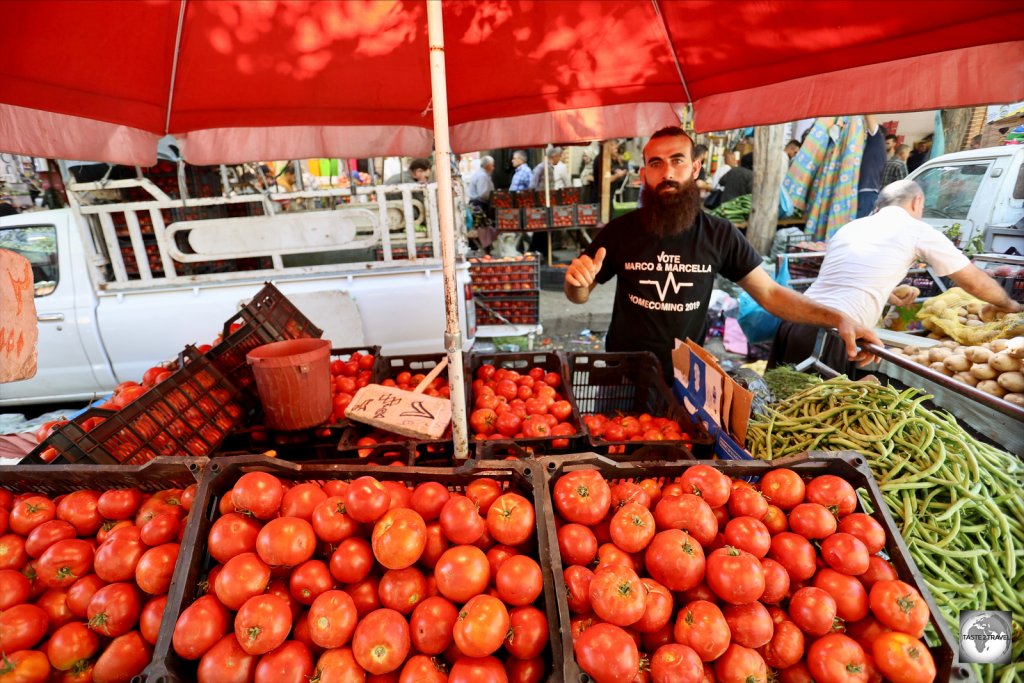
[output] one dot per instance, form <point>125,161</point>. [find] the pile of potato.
<point>973,314</point>
<point>993,367</point>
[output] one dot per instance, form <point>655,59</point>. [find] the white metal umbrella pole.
<point>446,214</point>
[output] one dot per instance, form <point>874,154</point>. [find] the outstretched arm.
<point>977,282</point>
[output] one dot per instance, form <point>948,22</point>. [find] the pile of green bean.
<point>959,503</point>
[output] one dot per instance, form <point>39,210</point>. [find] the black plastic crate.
<point>188,414</point>
<point>847,465</point>
<point>587,214</point>
<point>268,317</point>
<point>188,582</point>
<point>563,216</point>
<point>509,218</point>
<point>505,276</point>
<point>517,309</point>
<point>536,218</point>
<point>610,383</point>
<point>525,199</point>
<point>55,480</point>
<point>521,362</point>
<point>400,253</point>
<point>501,199</point>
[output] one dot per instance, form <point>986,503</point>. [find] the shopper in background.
<point>617,169</point>
<point>890,145</point>
<point>700,155</point>
<point>665,257</point>
<point>792,148</point>
<point>419,172</point>
<point>872,163</point>
<point>558,172</point>
<point>976,142</point>
<point>896,167</point>
<point>522,175</point>
<point>922,150</point>
<point>865,261</point>
<point>738,181</point>
<point>729,161</point>
<point>481,187</point>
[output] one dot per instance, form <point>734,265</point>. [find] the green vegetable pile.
<point>737,209</point>
<point>784,381</point>
<point>959,503</point>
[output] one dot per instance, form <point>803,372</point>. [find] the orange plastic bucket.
<point>293,379</point>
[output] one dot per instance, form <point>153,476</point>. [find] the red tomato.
<point>151,617</point>
<point>330,521</point>
<point>64,562</point>
<point>30,512</point>
<point>632,528</point>
<point>14,588</point>
<point>482,626</point>
<point>658,607</point>
<point>435,546</point>
<point>402,589</point>
<point>903,659</point>
<point>482,421</point>
<point>582,496</point>
<point>163,528</point>
<point>46,534</point>
<point>812,521</point>
<point>25,666</point>
<point>776,582</point>
<point>795,553</point>
<point>365,595</point>
<point>156,567</point>
<point>428,499</point>
<point>628,492</point>
<point>300,500</point>
<point>232,534</point>
<point>750,624</point>
<point>81,592</point>
<point>118,557</point>
<point>527,635</point>
<point>741,665</point>
<point>398,538</point>
<point>79,509</point>
<point>747,533</point>
<point>675,560</point>
<point>474,669</point>
<point>381,641</point>
<point>227,662</point>
<point>70,645</point>
<point>431,625</point>
<point>289,663</point>
<point>114,610</point>
<point>462,572</point>
<point>366,500</point>
<point>708,483</point>
<point>286,542</point>
<point>21,627</point>
<point>577,588</point>
<point>836,658</point>
<point>775,520</point>
<point>259,493</point>
<point>813,610</point>
<point>519,580</point>
<point>511,519</point>
<point>783,488</point>
<point>798,673</point>
<point>308,580</point>
<point>866,528</point>
<point>735,575</point>
<point>332,619</point>
<point>617,596</point>
<point>423,669</point>
<point>352,561</point>
<point>689,513</point>
<point>263,623</point>
<point>878,570</point>
<point>849,593</point>
<point>899,606</point>
<point>12,552</point>
<point>845,553</point>
<point>833,492</point>
<point>676,663</point>
<point>200,626</point>
<point>786,647</point>
<point>608,654</point>
<point>747,502</point>
<point>242,577</point>
<point>702,626</point>
<point>460,520</point>
<point>576,544</point>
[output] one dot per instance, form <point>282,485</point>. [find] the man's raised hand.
<point>583,270</point>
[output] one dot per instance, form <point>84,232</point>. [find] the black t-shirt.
<point>873,161</point>
<point>664,285</point>
<point>736,183</point>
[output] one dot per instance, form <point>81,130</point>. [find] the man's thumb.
<point>599,257</point>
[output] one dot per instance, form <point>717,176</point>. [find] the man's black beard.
<point>667,215</point>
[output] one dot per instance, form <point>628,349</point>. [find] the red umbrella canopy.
<point>244,80</point>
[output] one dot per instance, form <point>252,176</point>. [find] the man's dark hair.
<point>747,161</point>
<point>699,151</point>
<point>419,165</point>
<point>794,143</point>
<point>670,132</point>
<point>7,209</point>
<point>890,136</point>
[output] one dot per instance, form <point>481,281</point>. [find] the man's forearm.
<point>795,307</point>
<point>977,282</point>
<point>577,295</point>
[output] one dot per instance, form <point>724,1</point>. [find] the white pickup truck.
<point>128,275</point>
<point>976,196</point>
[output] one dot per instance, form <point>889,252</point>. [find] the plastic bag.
<point>758,324</point>
<point>941,314</point>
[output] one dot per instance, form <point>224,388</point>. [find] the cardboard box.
<point>710,394</point>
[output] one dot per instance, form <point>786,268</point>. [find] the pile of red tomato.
<point>83,581</point>
<point>512,405</point>
<point>623,427</point>
<point>348,377</point>
<point>718,580</point>
<point>349,581</point>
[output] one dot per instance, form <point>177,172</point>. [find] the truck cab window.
<point>949,190</point>
<point>38,244</point>
<point>1018,187</point>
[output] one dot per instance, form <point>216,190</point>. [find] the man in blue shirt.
<point>523,174</point>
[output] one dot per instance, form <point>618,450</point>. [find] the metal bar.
<point>435,233</point>
<point>138,245</point>
<point>385,232</point>
<point>453,332</point>
<point>960,388</point>
<point>113,248</point>
<point>410,227</point>
<point>159,230</point>
<point>174,66</point>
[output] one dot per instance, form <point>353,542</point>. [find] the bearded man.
<point>665,256</point>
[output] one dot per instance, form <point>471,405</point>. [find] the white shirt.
<point>559,176</point>
<point>719,173</point>
<point>480,185</point>
<point>867,258</point>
